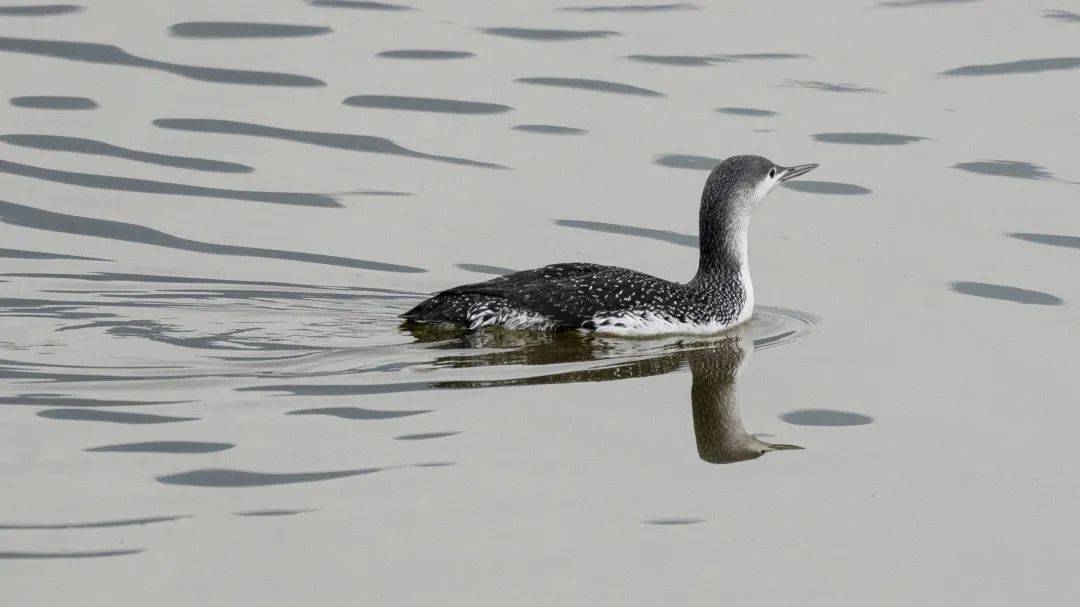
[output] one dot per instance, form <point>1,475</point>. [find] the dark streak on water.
<point>341,141</point>
<point>154,278</point>
<point>484,269</point>
<point>65,555</point>
<point>60,400</point>
<point>241,29</point>
<point>745,111</point>
<point>601,86</point>
<point>831,87</point>
<point>223,477</point>
<point>425,104</point>
<point>358,413</point>
<point>687,161</point>
<point>826,187</point>
<point>685,240</point>
<point>631,8</point>
<point>547,35</point>
<point>825,417</point>
<point>360,4</point>
<point>146,186</point>
<point>39,10</point>
<point>54,102</point>
<point>679,60</point>
<point>79,145</point>
<point>1060,15</point>
<point>425,436</point>
<point>673,521</point>
<point>1025,66</point>
<point>184,447</point>
<point>343,390</point>
<point>91,525</point>
<point>115,417</point>
<point>549,129</point>
<point>1055,240</point>
<point>903,3</point>
<point>113,55</point>
<point>22,254</point>
<point>867,138</point>
<point>1005,168</point>
<point>765,56</point>
<point>1005,293</point>
<point>425,54</point>
<point>30,217</point>
<point>270,512</point>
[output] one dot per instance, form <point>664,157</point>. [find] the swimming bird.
<point>618,301</point>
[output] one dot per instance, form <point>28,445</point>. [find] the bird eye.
<point>772,172</point>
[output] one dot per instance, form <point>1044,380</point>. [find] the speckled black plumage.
<point>591,296</point>
<point>572,295</point>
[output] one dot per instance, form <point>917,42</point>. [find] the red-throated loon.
<point>619,301</point>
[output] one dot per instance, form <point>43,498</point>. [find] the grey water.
<point>213,214</point>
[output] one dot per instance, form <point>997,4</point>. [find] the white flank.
<point>643,324</point>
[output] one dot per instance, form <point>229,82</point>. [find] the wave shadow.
<point>426,435</point>
<point>39,10</point>
<point>1005,293</point>
<point>1005,168</point>
<point>361,5</point>
<point>484,269</point>
<point>340,141</point>
<point>831,87</point>
<point>146,186</point>
<point>91,525</point>
<point>547,35</point>
<point>600,86</point>
<point>357,413</point>
<point>425,54</point>
<point>905,3</point>
<point>1024,66</point>
<point>244,29</point>
<point>425,104</point>
<point>1054,240</point>
<point>685,240</point>
<point>548,129</point>
<point>30,217</point>
<point>23,254</point>
<point>270,512</point>
<point>113,417</point>
<point>826,187</point>
<point>67,555</point>
<point>224,477</point>
<point>60,400</point>
<point>826,417</point>
<point>54,102</point>
<point>687,161</point>
<point>89,52</point>
<point>746,111</point>
<point>1060,15</point>
<point>631,8</point>
<point>79,145</point>
<point>176,447</point>
<point>867,138</point>
<point>680,60</point>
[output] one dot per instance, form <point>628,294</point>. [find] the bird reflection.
<point>715,363</point>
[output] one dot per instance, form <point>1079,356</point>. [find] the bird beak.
<point>781,447</point>
<point>795,171</point>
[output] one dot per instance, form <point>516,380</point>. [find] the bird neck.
<point>724,249</point>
